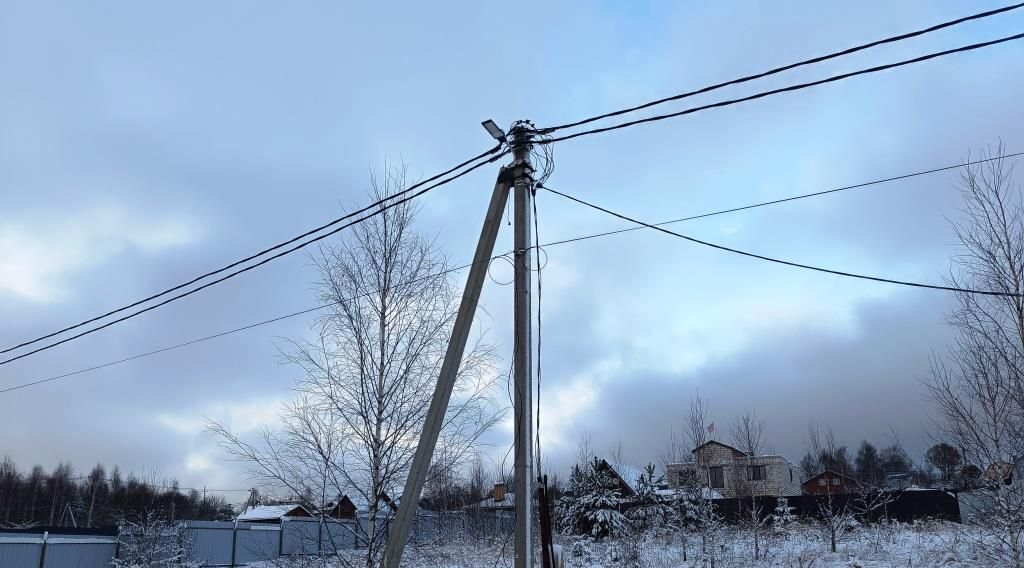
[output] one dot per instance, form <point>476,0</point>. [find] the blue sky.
<point>143,143</point>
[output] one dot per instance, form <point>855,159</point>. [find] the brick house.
<point>732,473</point>
<point>830,482</point>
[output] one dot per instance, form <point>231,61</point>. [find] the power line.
<point>228,332</point>
<point>463,266</point>
<point>258,254</point>
<point>780,261</point>
<point>787,199</point>
<point>258,264</point>
<point>796,87</point>
<point>777,70</point>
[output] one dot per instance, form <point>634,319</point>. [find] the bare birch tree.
<point>976,385</point>
<point>696,424</point>
<point>616,453</point>
<point>369,370</point>
<point>747,432</point>
<point>675,450</point>
<point>584,448</point>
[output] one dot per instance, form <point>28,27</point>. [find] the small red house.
<point>830,482</point>
<point>344,509</point>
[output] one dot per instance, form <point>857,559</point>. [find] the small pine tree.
<point>651,510</point>
<point>783,515</point>
<point>592,504</point>
<point>568,513</point>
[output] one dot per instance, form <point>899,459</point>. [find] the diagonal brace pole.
<point>403,521</point>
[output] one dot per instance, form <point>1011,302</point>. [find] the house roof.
<point>832,472</point>
<point>705,492</point>
<point>509,502</point>
<point>337,509</point>
<point>273,512</point>
<point>723,444</point>
<point>627,474</point>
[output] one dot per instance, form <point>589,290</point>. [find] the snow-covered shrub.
<point>151,542</point>
<point>581,551</point>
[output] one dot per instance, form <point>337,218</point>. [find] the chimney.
<point>499,492</point>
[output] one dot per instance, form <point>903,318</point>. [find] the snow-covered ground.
<point>922,545</point>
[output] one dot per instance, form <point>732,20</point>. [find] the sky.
<point>144,143</point>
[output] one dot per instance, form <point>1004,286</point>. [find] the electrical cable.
<point>515,441</point>
<point>777,70</point>
<point>491,259</point>
<point>789,88</point>
<point>784,262</point>
<point>232,331</point>
<point>261,253</point>
<point>785,199</point>
<point>546,159</point>
<point>540,299</point>
<point>495,280</point>
<point>252,266</point>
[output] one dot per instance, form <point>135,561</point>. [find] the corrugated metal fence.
<point>54,550</point>
<point>220,543</point>
<point>234,544</point>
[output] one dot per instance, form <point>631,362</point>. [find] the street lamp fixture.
<point>496,132</point>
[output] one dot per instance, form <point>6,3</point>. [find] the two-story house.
<point>733,473</point>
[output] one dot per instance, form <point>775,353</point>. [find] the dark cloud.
<point>860,379</point>
<point>251,126</point>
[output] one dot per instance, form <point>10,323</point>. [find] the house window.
<point>756,473</point>
<point>836,481</point>
<point>822,482</point>
<point>716,477</point>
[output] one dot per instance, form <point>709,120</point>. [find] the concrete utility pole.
<point>403,521</point>
<point>522,172</point>
<point>519,175</point>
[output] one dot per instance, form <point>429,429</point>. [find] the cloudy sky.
<point>143,143</point>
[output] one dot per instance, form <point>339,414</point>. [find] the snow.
<point>922,545</point>
<point>80,540</point>
<point>507,503</point>
<point>705,493</point>
<point>56,540</point>
<point>266,512</point>
<point>22,540</point>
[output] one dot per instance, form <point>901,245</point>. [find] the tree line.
<point>942,465</point>
<point>63,498</point>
